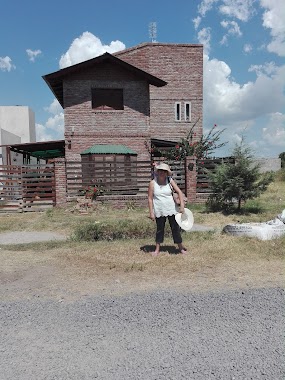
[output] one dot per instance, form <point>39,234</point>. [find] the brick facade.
<point>153,76</point>
<point>181,66</point>
<point>149,111</point>
<point>60,180</point>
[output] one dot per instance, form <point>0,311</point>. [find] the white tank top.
<point>163,203</point>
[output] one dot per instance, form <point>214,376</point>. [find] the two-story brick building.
<point>151,92</point>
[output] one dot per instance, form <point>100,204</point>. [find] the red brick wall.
<point>60,181</point>
<point>81,142</point>
<point>149,110</point>
<point>85,127</point>
<point>181,66</point>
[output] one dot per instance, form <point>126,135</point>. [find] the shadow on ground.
<point>164,248</point>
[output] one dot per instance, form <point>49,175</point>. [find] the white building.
<point>17,125</point>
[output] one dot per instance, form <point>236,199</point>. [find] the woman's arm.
<point>150,200</point>
<point>180,194</point>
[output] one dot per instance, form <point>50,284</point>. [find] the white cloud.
<point>32,54</point>
<point>6,64</point>
<point>232,27</point>
<point>53,129</point>
<point>224,40</point>
<point>247,48</point>
<point>196,22</point>
<point>204,37</point>
<point>228,101</point>
<point>240,9</point>
<point>85,47</point>
<point>42,133</point>
<point>56,123</point>
<point>274,132</point>
<point>273,19</point>
<point>240,108</point>
<point>54,108</point>
<point>205,6</point>
<point>268,68</point>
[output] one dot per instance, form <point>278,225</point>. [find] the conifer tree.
<point>234,183</point>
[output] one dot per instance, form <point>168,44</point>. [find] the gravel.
<point>237,334</point>
<point>20,237</point>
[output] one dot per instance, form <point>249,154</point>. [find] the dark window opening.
<point>107,99</point>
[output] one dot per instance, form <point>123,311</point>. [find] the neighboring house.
<point>17,125</point>
<point>150,93</point>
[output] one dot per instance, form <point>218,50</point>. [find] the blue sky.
<point>244,49</point>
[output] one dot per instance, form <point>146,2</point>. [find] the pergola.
<point>42,150</point>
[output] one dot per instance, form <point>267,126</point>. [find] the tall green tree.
<point>234,183</point>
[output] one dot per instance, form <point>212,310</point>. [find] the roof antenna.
<point>152,31</point>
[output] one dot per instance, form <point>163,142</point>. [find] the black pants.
<point>175,229</point>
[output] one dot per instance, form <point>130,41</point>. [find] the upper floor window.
<point>107,99</point>
<point>179,115</point>
<point>187,111</point>
<point>178,111</point>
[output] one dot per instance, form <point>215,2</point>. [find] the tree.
<point>234,183</point>
<point>191,146</point>
<point>282,156</point>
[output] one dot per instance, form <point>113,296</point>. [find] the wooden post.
<point>191,178</point>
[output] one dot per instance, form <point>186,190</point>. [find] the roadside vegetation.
<point>108,224</point>
<point>233,184</point>
<point>120,257</point>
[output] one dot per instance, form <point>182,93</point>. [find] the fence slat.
<point>23,186</point>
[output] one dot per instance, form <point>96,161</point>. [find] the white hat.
<point>185,220</point>
<point>163,166</point>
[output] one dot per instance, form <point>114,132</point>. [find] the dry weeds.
<point>75,269</point>
<point>81,269</point>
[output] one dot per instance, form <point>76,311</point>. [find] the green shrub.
<point>235,183</point>
<point>123,229</point>
<point>116,230</point>
<point>87,232</point>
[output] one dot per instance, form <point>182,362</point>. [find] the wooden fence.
<point>115,178</point>
<point>26,188</point>
<point>32,187</point>
<point>203,189</point>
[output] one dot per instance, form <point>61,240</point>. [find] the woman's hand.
<point>182,210</point>
<point>151,215</point>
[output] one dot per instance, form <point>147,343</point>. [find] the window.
<point>107,99</point>
<point>187,111</point>
<point>177,111</point>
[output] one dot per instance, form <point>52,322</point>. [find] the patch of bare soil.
<point>65,276</point>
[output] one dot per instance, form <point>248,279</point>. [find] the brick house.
<point>151,92</point>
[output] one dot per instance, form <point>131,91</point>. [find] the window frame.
<point>187,104</point>
<point>118,104</point>
<point>177,110</point>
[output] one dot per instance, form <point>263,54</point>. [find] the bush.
<point>125,229</point>
<point>282,156</point>
<point>234,183</point>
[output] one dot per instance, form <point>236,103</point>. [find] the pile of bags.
<point>272,229</point>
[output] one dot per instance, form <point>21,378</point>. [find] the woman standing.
<point>161,206</point>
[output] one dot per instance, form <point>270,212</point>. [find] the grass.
<point>66,220</point>
<point>213,256</point>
